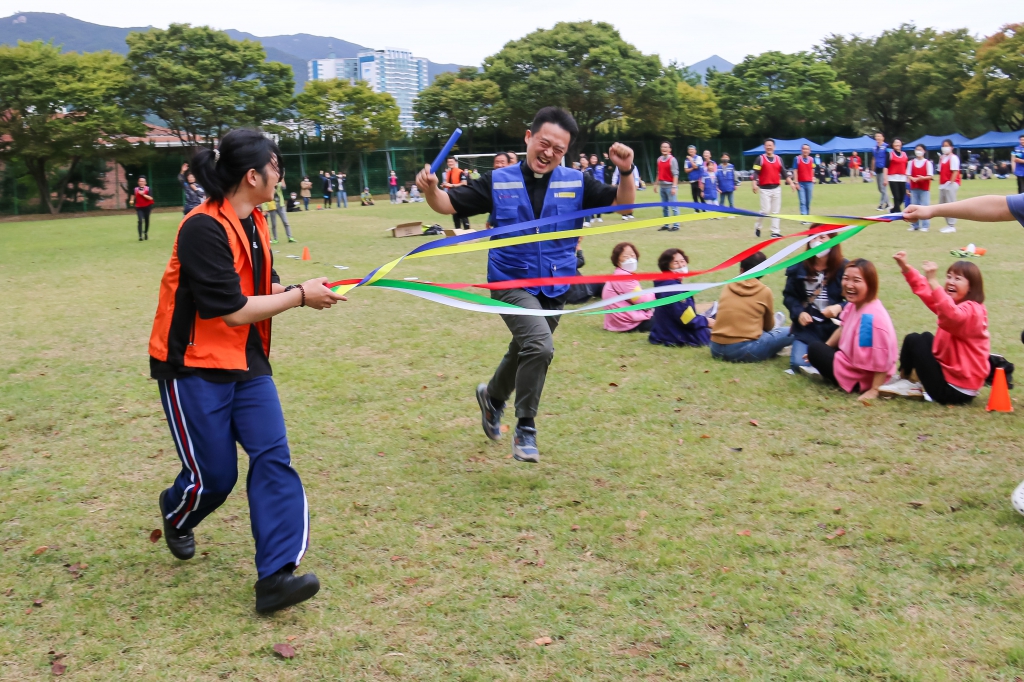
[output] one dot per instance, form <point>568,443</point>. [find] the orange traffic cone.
<point>999,398</point>
<point>305,256</point>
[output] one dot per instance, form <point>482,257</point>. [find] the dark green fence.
<point>97,185</point>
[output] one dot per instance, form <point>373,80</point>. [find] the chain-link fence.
<point>107,183</point>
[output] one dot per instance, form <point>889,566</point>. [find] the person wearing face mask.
<point>951,365</point>
<point>746,328</point>
<point>949,181</point>
<point>919,178</point>
<point>625,257</point>
<point>896,169</point>
<point>860,356</point>
<point>537,187</point>
<point>678,324</point>
<point>814,298</point>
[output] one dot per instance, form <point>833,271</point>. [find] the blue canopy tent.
<point>848,145</point>
<point>995,139</point>
<point>787,147</point>
<point>934,142</point>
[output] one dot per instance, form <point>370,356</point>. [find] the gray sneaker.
<point>524,445</point>
<point>490,418</point>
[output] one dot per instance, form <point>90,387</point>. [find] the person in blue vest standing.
<point>726,180</point>
<point>693,166</point>
<point>880,155</point>
<point>536,188</point>
<point>1017,159</point>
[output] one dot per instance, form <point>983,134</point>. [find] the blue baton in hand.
<point>436,166</point>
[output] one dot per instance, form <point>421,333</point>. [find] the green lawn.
<point>443,559</point>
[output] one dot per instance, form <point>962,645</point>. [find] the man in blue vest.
<point>880,154</point>
<point>537,187</point>
<point>1017,159</point>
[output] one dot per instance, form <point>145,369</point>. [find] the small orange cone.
<point>305,253</point>
<point>999,398</point>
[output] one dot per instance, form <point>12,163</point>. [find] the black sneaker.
<point>674,228</point>
<point>182,543</point>
<point>757,231</point>
<point>524,445</point>
<point>284,589</point>
<point>489,417</point>
<point>664,228</point>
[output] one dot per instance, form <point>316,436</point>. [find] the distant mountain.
<point>303,45</point>
<point>76,35</point>
<point>715,62</point>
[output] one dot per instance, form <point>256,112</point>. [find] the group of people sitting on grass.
<point>838,329</point>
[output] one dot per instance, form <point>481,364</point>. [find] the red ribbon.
<point>601,279</point>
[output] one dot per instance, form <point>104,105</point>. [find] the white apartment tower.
<point>393,71</point>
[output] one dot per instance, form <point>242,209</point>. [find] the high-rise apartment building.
<point>393,71</point>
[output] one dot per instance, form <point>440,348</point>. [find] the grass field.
<point>443,559</point>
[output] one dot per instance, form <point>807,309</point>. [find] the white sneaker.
<point>1017,498</point>
<point>808,371</point>
<point>922,229</point>
<point>903,388</point>
<point>776,235</point>
<point>600,220</point>
<point>947,229</point>
<point>586,223</point>
<point>911,229</point>
<point>780,319</point>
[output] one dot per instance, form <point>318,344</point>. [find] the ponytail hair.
<point>221,170</point>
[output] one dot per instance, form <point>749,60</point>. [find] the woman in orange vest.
<point>209,352</point>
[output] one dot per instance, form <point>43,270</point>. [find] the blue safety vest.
<point>727,177</point>
<point>710,186</point>
<point>1018,153</point>
<point>694,168</point>
<point>881,155</point>
<point>554,258</point>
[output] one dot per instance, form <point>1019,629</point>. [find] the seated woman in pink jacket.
<point>953,364</point>
<point>625,257</point>
<point>860,356</point>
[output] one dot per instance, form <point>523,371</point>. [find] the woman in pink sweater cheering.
<point>625,258</point>
<point>860,356</point>
<point>952,365</point>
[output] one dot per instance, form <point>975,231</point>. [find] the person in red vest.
<point>456,177</point>
<point>949,181</point>
<point>768,176</point>
<point>919,178</point>
<point>209,351</point>
<point>143,202</point>
<point>803,169</point>
<point>896,170</point>
<point>668,183</point>
<point>855,165</point>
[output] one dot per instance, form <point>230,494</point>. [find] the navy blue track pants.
<point>206,420</point>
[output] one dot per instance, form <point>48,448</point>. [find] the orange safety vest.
<point>212,343</point>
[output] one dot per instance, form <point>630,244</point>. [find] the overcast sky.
<point>466,32</point>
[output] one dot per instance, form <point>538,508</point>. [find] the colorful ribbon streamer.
<point>450,294</point>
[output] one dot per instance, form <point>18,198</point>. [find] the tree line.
<point>58,110</point>
<point>902,82</point>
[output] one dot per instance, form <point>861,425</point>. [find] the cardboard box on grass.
<point>407,229</point>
